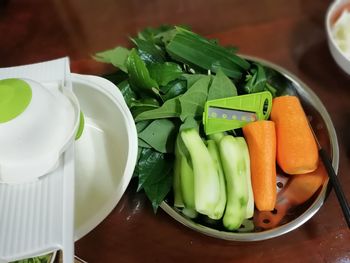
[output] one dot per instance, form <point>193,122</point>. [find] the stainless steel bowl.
<point>325,132</point>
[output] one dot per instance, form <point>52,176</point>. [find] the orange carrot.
<point>297,151</point>
<point>261,140</point>
<point>301,187</point>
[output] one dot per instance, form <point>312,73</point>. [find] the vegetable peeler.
<point>234,112</point>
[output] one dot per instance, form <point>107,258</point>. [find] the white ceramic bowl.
<point>333,13</point>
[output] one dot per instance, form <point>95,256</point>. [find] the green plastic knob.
<point>15,96</point>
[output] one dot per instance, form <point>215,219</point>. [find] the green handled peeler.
<point>234,112</point>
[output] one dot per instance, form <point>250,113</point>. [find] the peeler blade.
<point>231,114</point>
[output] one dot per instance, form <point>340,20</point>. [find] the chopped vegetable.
<point>186,177</point>
<point>178,200</point>
<point>206,178</point>
<point>236,173</point>
<point>297,151</point>
<point>215,155</point>
<point>261,139</point>
<point>245,154</point>
<point>301,187</point>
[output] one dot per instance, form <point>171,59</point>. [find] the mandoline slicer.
<point>234,112</point>
<point>37,217</point>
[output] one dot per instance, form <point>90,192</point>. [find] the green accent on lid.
<point>15,96</point>
<point>81,126</point>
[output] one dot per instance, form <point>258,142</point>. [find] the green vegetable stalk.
<point>236,173</point>
<point>245,154</point>
<point>183,183</point>
<point>220,207</point>
<point>206,178</point>
<point>178,200</point>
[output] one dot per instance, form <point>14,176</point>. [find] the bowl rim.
<point>112,93</point>
<point>307,214</point>
<point>335,6</point>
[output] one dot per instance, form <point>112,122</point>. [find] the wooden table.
<point>289,33</point>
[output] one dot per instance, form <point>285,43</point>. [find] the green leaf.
<point>192,49</point>
<point>140,79</point>
<point>142,105</point>
<point>174,89</point>
<point>116,56</point>
<point>155,35</point>
<point>128,94</point>
<point>221,87</point>
<point>192,102</point>
<point>155,175</point>
<point>141,125</point>
<point>261,78</point>
<point>189,123</point>
<point>160,135</point>
<point>148,51</point>
<point>256,81</point>
<point>143,144</point>
<point>192,78</point>
<point>158,191</point>
<point>170,109</point>
<point>163,73</point>
<point>145,102</point>
<point>136,111</point>
<point>116,77</point>
<point>280,83</point>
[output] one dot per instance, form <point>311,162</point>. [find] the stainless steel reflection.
<point>324,130</point>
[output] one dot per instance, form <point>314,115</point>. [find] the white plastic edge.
<point>111,91</point>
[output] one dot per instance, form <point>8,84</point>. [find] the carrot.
<point>296,146</point>
<point>301,187</point>
<point>261,140</point>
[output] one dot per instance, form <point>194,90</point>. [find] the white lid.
<point>32,141</point>
<point>37,217</point>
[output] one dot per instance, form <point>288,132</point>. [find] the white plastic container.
<point>37,213</point>
<point>106,153</point>
<point>91,175</point>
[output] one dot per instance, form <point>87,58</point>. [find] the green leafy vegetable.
<point>221,87</point>
<point>154,173</point>
<point>144,102</point>
<point>40,259</point>
<point>192,102</point>
<point>141,125</point>
<point>170,109</point>
<point>173,89</point>
<point>163,73</point>
<point>256,81</point>
<point>143,144</point>
<point>128,94</point>
<point>157,35</point>
<point>140,79</point>
<point>149,52</point>
<point>116,56</point>
<point>192,49</point>
<point>160,135</point>
<point>192,78</point>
